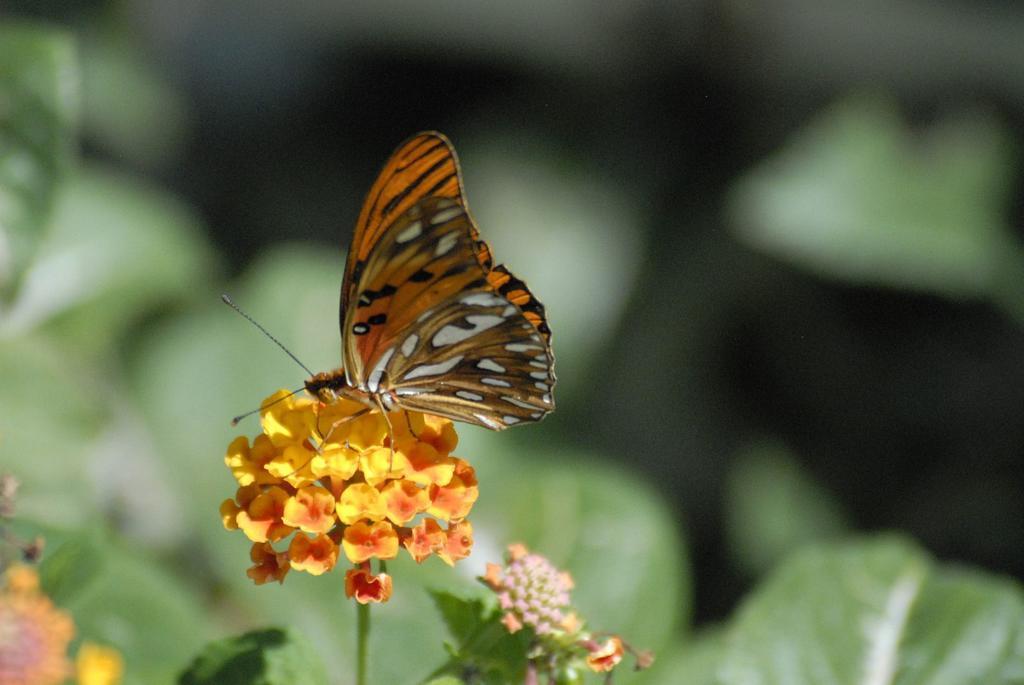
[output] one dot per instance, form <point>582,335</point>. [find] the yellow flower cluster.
<point>328,477</point>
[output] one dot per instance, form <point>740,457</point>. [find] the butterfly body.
<point>428,322</point>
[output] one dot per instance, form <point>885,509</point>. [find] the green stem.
<point>362,638</point>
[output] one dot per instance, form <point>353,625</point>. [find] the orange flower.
<point>605,656</point>
<point>363,541</point>
<point>425,539</point>
<point>458,544</point>
<point>316,556</point>
<point>310,509</point>
<point>454,500</point>
<point>247,465</point>
<point>426,466</point>
<point>403,500</point>
<point>261,518</point>
<point>267,564</point>
<point>365,587</point>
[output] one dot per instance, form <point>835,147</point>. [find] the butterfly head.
<point>327,386</point>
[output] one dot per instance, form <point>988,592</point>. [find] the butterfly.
<point>428,322</point>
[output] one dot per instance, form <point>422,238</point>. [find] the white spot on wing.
<point>471,396</point>
<point>508,311</point>
<point>522,347</point>
<point>510,420</point>
<point>451,334</point>
<point>496,381</point>
<point>541,386</point>
<point>445,244</point>
<point>407,392</point>
<point>410,344</point>
<point>413,231</point>
<point>517,402</point>
<point>373,382</point>
<point>433,369</point>
<point>483,300</point>
<point>491,365</point>
<point>488,421</point>
<point>539,365</point>
<point>445,215</point>
<point>539,375</point>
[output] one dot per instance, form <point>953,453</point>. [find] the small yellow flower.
<point>361,501</point>
<point>98,665</point>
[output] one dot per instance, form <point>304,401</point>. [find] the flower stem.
<point>362,638</point>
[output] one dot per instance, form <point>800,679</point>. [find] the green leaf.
<point>262,657</point>
<point>772,507</point>
<point>463,617</point>
<point>695,663</point>
<point>858,197</point>
<point>877,612</point>
<point>50,408</point>
<point>116,248</point>
<point>147,128</point>
<point>482,644</point>
<point>38,98</point>
<point>69,569</point>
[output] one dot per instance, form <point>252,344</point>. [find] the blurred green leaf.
<point>38,99</point>
<point>262,657</point>
<point>51,416</point>
<point>858,197</point>
<point>116,248</point>
<point>150,617</point>
<point>876,611</point>
<point>695,663</point>
<point>69,569</point>
<point>146,128</point>
<point>772,507</point>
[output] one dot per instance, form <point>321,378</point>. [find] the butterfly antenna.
<point>227,300</point>
<point>234,421</point>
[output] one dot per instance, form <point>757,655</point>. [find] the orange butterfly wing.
<point>428,323</point>
<point>425,165</point>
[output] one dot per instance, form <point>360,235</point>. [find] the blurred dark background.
<point>793,250</point>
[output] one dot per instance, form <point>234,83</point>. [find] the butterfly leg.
<point>408,422</point>
<point>391,430</point>
<point>339,422</point>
